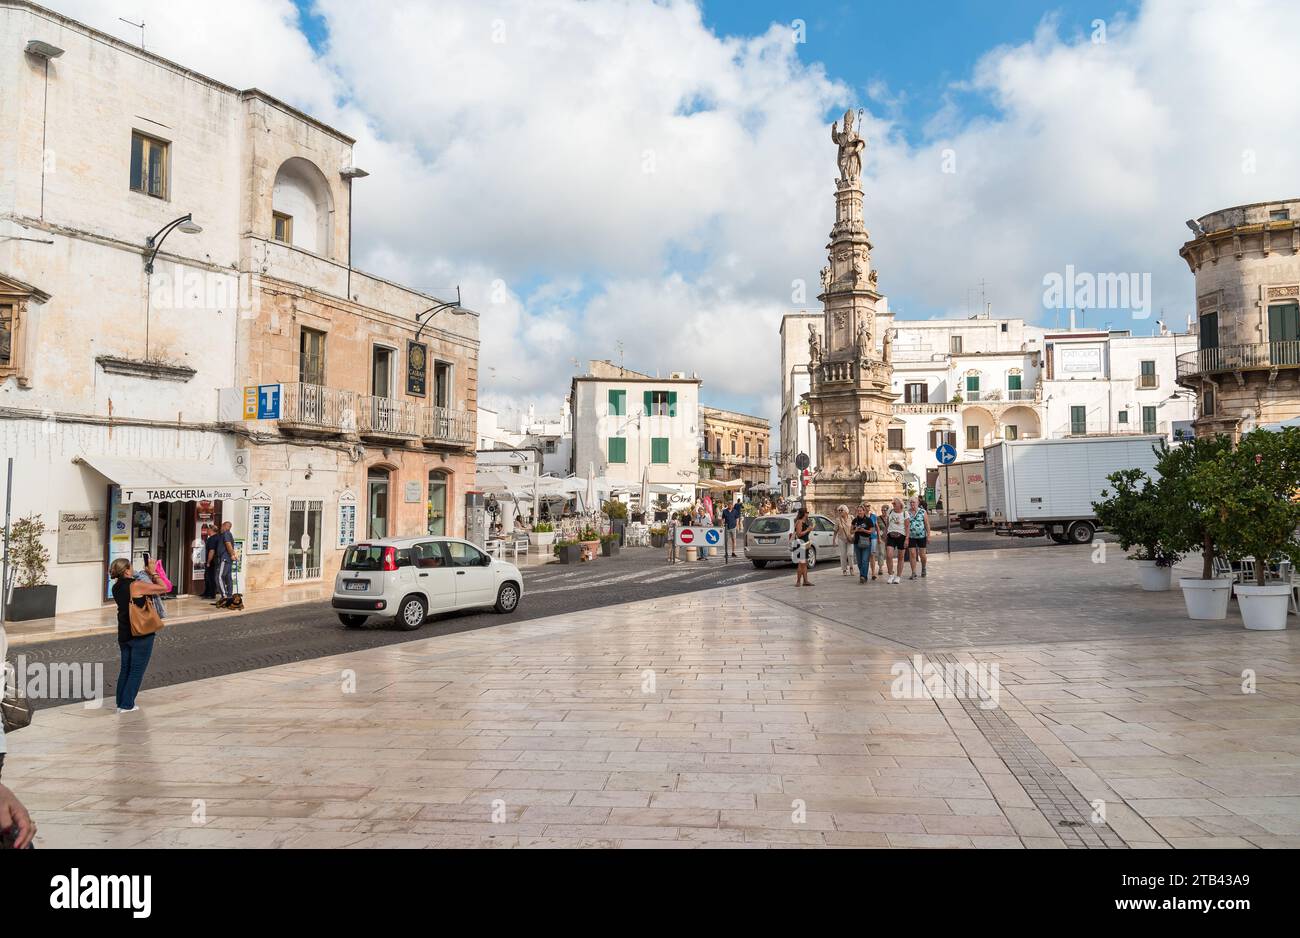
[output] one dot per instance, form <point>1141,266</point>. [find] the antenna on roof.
<point>139,26</point>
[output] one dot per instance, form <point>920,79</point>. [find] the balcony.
<point>384,418</point>
<point>926,408</point>
<point>719,459</point>
<point>1256,356</point>
<point>445,427</point>
<point>313,410</point>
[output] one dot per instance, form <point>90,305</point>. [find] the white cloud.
<point>630,176</point>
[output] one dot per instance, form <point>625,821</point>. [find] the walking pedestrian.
<point>895,540</point>
<point>731,518</point>
<point>843,538</point>
<point>226,557</point>
<point>877,541</point>
<point>136,650</point>
<point>864,526</point>
<point>799,547</point>
<point>918,535</point>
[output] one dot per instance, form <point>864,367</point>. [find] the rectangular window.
<point>916,393</point>
<point>895,438</point>
<point>1123,417</point>
<point>617,450</point>
<point>149,165</point>
<point>972,437</point>
<point>747,449</point>
<point>733,446</point>
<point>1148,420</point>
<point>1209,330</point>
<point>381,372</point>
<point>618,403</point>
<point>1147,379</point>
<point>935,439</point>
<point>1281,214</point>
<point>661,403</point>
<point>1011,432</point>
<point>1078,420</point>
<point>311,357</point>
<point>1013,382</point>
<point>659,451</point>
<point>8,322</point>
<point>954,345</point>
<point>283,227</point>
<point>304,540</point>
<point>1207,402</point>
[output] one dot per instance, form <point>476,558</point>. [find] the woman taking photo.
<point>135,649</point>
<point>799,547</point>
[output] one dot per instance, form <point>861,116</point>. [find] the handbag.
<point>145,619</point>
<point>17,713</point>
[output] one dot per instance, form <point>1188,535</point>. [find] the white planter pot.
<point>1264,608</point>
<point>1206,599</point>
<point>1154,579</point>
<point>541,539</point>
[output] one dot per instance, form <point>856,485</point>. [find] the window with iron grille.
<point>303,558</point>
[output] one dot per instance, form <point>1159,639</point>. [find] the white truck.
<point>1047,487</point>
<point>964,497</point>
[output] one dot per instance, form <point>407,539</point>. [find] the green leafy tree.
<point>1134,515</point>
<point>28,557</point>
<point>1188,500</point>
<point>1250,493</point>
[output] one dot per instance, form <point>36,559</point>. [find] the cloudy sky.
<point>652,181</point>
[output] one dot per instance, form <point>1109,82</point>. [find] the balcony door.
<point>382,369</point>
<point>437,503</point>
<point>1284,334</point>
<point>377,485</point>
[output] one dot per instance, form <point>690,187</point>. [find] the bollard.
<point>692,553</point>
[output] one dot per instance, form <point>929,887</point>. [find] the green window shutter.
<point>1013,382</point>
<point>617,450</point>
<point>648,411</point>
<point>973,383</point>
<point>659,451</point>
<point>672,403</point>
<point>618,403</point>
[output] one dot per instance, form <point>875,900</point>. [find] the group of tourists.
<point>877,543</point>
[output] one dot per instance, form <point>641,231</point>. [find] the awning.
<point>170,480</point>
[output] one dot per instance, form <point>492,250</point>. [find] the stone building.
<point>735,446</point>
<point>185,338</point>
<point>1245,369</point>
<point>851,396</point>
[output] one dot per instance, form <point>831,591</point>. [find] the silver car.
<point>768,539</point>
<point>413,578</point>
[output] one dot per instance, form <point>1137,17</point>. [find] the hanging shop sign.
<point>417,368</point>
<point>347,529</point>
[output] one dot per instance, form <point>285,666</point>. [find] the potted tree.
<point>1189,499</point>
<point>542,535</point>
<point>658,535</point>
<point>1257,515</point>
<point>30,597</point>
<point>589,538</point>
<point>609,545</point>
<point>1133,514</point>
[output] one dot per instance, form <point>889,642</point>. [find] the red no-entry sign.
<point>687,536</point>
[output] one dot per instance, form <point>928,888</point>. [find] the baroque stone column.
<point>851,398</point>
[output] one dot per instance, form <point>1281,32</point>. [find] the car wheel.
<point>812,557</point>
<point>1080,532</point>
<point>968,525</point>
<point>351,621</point>
<point>411,614</point>
<point>759,564</point>
<point>507,598</point>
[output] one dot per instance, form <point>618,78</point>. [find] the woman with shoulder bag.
<point>137,623</point>
<point>799,547</point>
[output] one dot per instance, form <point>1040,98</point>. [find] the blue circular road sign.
<point>946,454</point>
<point>712,537</point>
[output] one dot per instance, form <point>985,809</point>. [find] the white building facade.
<point>633,427</point>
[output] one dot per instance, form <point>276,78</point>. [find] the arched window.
<point>302,207</point>
<point>378,483</point>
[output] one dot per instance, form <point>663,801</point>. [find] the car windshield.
<point>364,557</point>
<point>769,526</point>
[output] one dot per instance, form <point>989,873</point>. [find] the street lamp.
<point>433,311</point>
<point>185,224</point>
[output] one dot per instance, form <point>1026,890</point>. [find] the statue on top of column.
<point>851,148</point>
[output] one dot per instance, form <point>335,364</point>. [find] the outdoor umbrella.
<point>592,498</point>
<point>645,489</point>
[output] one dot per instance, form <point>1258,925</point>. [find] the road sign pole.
<point>947,509</point>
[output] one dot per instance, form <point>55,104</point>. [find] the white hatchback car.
<point>415,577</point>
<point>769,538</point>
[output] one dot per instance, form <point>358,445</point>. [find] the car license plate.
<point>356,586</point>
<point>767,540</point>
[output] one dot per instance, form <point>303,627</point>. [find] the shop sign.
<point>414,493</point>
<point>259,528</point>
<point>347,529</point>
<point>144,496</point>
<point>417,368</point>
<point>81,536</point>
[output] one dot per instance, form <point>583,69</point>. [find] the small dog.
<point>235,602</point>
